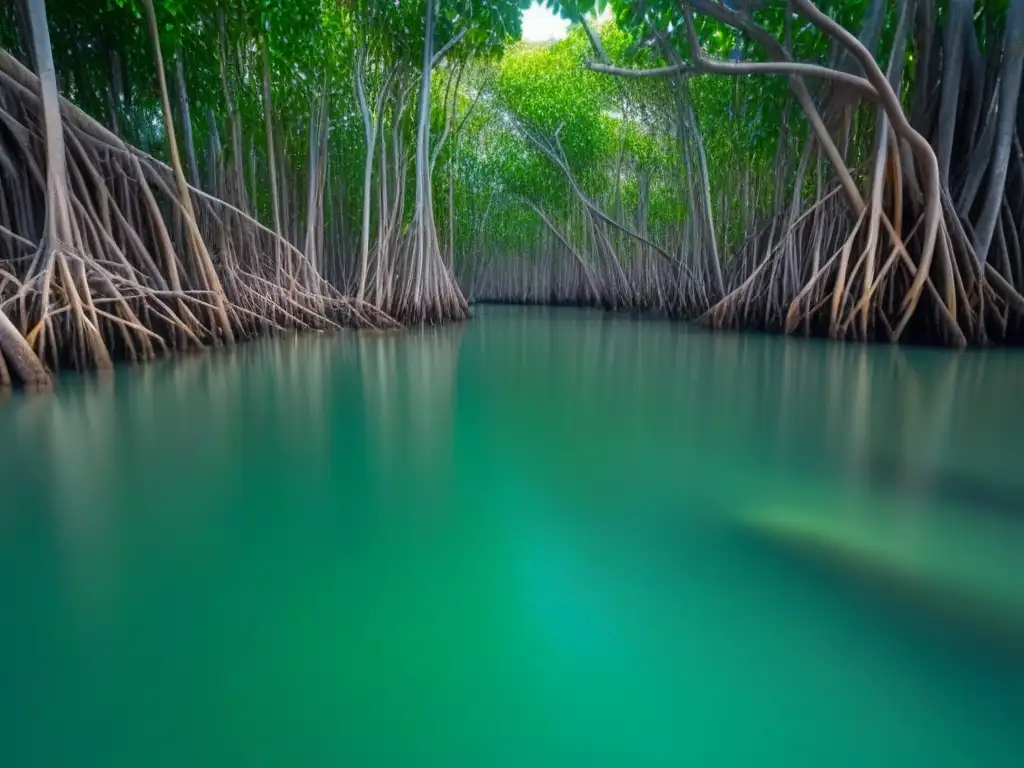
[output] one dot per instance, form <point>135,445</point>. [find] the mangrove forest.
<point>183,174</point>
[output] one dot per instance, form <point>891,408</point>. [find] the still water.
<point>542,538</point>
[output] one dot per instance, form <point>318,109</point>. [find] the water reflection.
<point>898,464</point>
<point>506,537</point>
<point>161,448</point>
<point>409,389</point>
<point>918,422</point>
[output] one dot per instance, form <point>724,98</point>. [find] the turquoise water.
<point>544,537</point>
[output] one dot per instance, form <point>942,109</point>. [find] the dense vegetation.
<point>185,173</point>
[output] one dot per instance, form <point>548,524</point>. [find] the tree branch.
<point>595,41</point>
<point>704,66</point>
<point>447,47</point>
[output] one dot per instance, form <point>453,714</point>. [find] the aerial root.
<point>961,303</point>
<point>124,281</point>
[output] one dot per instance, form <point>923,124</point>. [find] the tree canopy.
<point>847,169</point>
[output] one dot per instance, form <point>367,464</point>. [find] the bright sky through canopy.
<point>540,24</point>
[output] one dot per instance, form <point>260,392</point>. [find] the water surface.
<point>544,537</point>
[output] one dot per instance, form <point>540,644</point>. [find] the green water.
<point>543,538</point>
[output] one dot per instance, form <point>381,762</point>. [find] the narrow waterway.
<point>546,537</point>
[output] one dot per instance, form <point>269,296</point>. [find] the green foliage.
<point>619,135</point>
<point>548,90</point>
